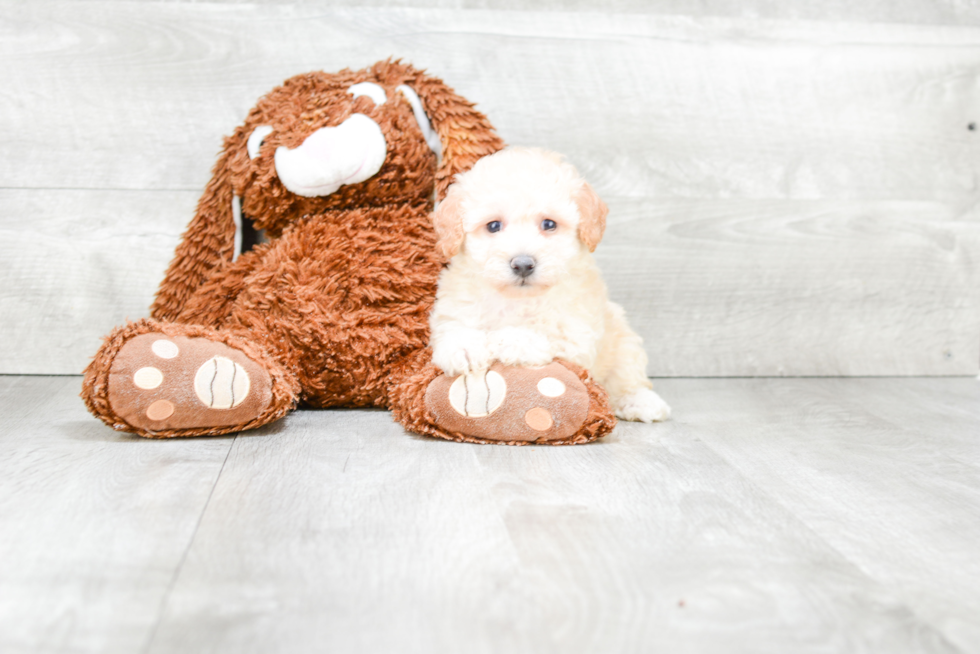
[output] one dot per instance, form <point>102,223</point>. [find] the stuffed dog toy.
<point>522,287</point>
<point>308,274</point>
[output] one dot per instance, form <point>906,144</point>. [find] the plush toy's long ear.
<point>208,242</point>
<point>465,134</point>
<point>592,216</point>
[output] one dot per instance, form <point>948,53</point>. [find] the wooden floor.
<point>771,515</point>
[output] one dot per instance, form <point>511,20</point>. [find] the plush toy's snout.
<point>349,153</point>
<point>330,157</point>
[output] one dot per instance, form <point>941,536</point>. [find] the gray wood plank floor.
<point>771,515</point>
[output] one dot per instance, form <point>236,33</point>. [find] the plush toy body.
<point>340,172</point>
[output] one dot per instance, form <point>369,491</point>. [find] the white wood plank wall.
<point>794,190</point>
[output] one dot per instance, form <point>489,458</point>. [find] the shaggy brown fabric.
<point>299,107</point>
<point>96,382</point>
<point>335,305</point>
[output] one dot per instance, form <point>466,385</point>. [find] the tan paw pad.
<point>538,419</point>
<point>162,383</point>
<point>160,410</point>
<point>510,404</point>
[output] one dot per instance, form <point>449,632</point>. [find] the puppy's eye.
<point>494,226</point>
<point>548,225</point>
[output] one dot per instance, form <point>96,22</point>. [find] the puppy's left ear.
<point>592,216</point>
<point>448,223</point>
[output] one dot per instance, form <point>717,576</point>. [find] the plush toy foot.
<point>171,384</point>
<point>507,404</point>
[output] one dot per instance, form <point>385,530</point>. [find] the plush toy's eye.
<point>548,224</point>
<point>255,140</point>
<point>494,226</point>
<point>371,90</point>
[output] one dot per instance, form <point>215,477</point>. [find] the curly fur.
<point>488,310</point>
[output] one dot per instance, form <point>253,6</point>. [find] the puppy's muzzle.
<point>522,265</point>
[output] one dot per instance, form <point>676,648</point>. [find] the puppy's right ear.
<point>448,222</point>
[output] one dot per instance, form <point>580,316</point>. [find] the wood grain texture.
<point>916,12</point>
<point>907,500</point>
<point>76,263</point>
<point>797,287</point>
<point>715,288</point>
<point>805,189</point>
<point>340,533</point>
<point>94,523</point>
<point>124,95</point>
<point>770,515</point>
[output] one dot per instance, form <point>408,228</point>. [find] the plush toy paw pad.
<point>158,382</point>
<point>538,419</point>
<point>479,394</point>
<point>220,383</point>
<point>160,410</point>
<point>509,403</point>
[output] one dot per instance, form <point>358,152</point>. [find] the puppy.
<point>522,287</point>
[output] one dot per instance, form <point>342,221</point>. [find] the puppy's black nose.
<point>522,265</point>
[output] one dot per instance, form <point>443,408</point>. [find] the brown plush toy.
<point>330,308</point>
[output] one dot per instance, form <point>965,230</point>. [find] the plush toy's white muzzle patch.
<point>330,157</point>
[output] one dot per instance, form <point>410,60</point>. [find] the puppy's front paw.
<point>516,346</point>
<point>461,352</point>
<point>642,406</point>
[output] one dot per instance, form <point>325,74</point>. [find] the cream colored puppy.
<point>522,287</point>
